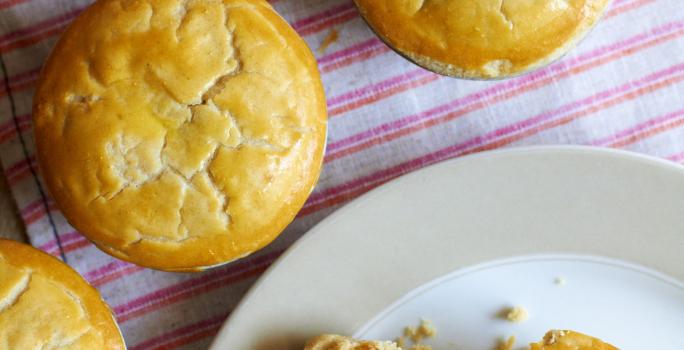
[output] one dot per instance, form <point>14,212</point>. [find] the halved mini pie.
<point>553,340</point>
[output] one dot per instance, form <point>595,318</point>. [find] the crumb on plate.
<point>517,314</point>
<point>507,344</point>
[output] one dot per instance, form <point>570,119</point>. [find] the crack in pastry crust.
<point>190,133</point>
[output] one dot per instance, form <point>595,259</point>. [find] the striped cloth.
<point>622,87</point>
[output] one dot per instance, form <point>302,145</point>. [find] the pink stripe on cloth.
<point>375,88</point>
<point>677,157</point>
<point>12,170</point>
<point>40,26</point>
<point>169,337</point>
<point>105,270</point>
<point>350,51</point>
<point>322,16</point>
<point>637,128</point>
<point>31,207</point>
<point>10,124</point>
<point>122,311</point>
<point>64,238</point>
<point>11,3</point>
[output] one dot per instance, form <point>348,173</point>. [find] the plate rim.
<point>492,154</point>
<point>467,270</point>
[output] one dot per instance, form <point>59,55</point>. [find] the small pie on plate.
<point>553,340</point>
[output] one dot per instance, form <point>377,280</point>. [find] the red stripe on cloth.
<point>194,286</point>
<point>11,3</point>
<point>498,138</point>
<point>678,157</point>
<point>64,238</point>
<point>322,16</point>
<point>359,56</point>
<point>113,276</point>
<point>193,292</point>
<point>37,215</point>
<point>376,96</point>
<point>19,86</point>
<point>10,135</point>
<point>615,10</point>
<point>67,248</point>
<point>675,121</point>
<point>629,132</point>
<point>17,167</point>
<point>9,125</point>
<point>339,19</point>
<point>370,89</point>
<point>31,40</point>
<point>59,20</point>
<point>171,339</point>
<point>32,207</point>
<point>485,98</point>
<point>21,170</point>
<point>19,80</point>
<point>349,51</point>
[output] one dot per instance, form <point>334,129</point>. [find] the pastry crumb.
<point>420,347</point>
<point>401,342</point>
<point>416,334</point>
<point>330,39</point>
<point>560,281</point>
<point>507,344</point>
<point>517,314</point>
<point>411,333</point>
<point>425,330</point>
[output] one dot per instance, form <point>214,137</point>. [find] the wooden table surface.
<point>10,222</point>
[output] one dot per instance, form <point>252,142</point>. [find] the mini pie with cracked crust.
<point>481,39</point>
<point>44,304</point>
<point>180,134</point>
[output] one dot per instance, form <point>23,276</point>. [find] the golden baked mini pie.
<point>338,342</point>
<point>44,304</point>
<point>569,340</point>
<point>180,135</point>
<point>481,38</point>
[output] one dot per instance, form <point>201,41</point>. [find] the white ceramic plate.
<point>631,307</point>
<point>560,202</point>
